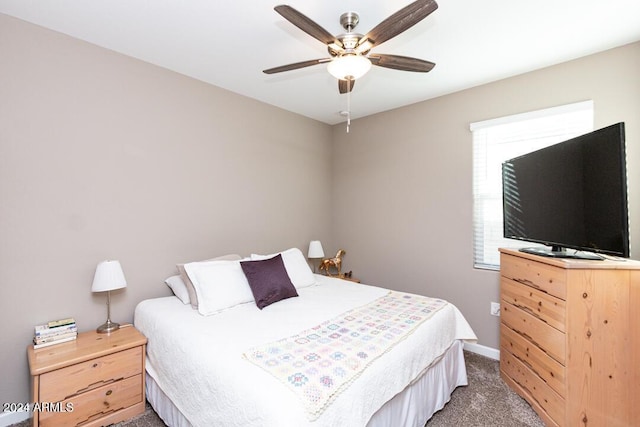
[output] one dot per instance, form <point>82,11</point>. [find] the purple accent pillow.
<point>268,280</point>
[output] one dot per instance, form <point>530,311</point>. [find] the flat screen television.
<point>571,195</point>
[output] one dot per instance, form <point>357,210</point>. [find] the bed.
<point>335,353</point>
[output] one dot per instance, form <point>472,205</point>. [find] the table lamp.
<point>315,252</point>
<point>109,276</point>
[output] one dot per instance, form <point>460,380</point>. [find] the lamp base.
<point>108,327</point>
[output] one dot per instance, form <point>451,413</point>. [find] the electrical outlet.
<point>495,309</point>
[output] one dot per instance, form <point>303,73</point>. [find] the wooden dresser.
<point>95,380</point>
<point>570,338</point>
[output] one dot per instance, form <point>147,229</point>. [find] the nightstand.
<point>95,380</point>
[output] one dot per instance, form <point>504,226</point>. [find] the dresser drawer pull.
<point>94,385</point>
<point>528,283</point>
<point>108,393</point>
<point>530,339</point>
<point>526,336</point>
<point>531,312</point>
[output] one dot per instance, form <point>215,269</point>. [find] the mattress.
<point>198,362</point>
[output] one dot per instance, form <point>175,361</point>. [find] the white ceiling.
<point>229,43</point>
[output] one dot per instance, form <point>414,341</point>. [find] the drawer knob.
<point>585,295</point>
<point>588,334</point>
<point>95,365</point>
<point>108,393</point>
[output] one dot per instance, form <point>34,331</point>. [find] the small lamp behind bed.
<point>315,252</point>
<point>109,276</point>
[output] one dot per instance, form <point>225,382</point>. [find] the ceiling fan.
<point>350,53</point>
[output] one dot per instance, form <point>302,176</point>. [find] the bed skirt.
<point>412,407</point>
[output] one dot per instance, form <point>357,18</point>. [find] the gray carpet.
<point>486,401</point>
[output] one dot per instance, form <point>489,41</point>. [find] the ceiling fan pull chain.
<point>349,106</point>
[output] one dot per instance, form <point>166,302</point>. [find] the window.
<point>497,140</point>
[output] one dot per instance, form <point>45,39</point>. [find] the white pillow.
<point>179,288</point>
<point>218,285</point>
<point>297,267</point>
<point>193,298</point>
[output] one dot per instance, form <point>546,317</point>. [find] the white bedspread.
<point>198,362</point>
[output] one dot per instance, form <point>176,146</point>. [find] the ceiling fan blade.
<point>403,63</point>
<point>345,86</point>
<point>306,24</point>
<point>400,21</point>
<point>295,66</point>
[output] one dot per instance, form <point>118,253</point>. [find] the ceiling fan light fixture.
<point>349,67</point>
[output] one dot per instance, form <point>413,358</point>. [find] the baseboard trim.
<point>8,418</point>
<point>483,350</point>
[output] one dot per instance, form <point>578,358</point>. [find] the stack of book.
<point>55,332</point>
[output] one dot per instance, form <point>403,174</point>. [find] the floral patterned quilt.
<point>321,362</point>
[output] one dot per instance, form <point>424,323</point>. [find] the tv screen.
<point>570,195</point>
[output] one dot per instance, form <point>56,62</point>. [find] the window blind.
<point>501,139</point>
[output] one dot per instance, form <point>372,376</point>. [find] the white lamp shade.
<point>109,276</point>
<point>315,249</point>
<point>349,67</point>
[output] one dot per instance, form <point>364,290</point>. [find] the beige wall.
<point>402,196</point>
<point>106,157</point>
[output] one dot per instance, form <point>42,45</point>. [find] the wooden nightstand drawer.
<point>97,403</point>
<point>67,382</point>
<point>547,399</point>
<point>98,379</point>
<point>545,307</point>
<point>549,339</point>
<point>552,372</point>
<point>546,278</point>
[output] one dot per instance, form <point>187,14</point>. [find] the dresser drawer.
<point>550,401</point>
<point>545,307</point>
<point>552,372</point>
<point>97,403</point>
<point>546,278</point>
<point>547,338</point>
<point>66,382</point>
